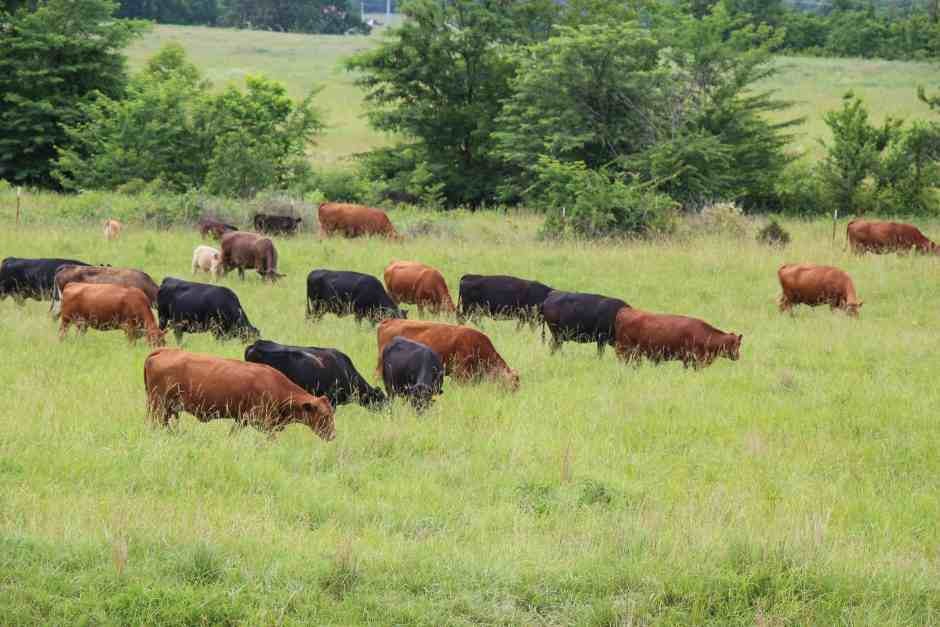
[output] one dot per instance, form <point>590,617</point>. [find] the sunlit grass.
<point>796,485</point>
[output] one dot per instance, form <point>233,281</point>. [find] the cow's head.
<point>317,413</point>
<point>732,348</point>
<point>852,308</point>
<point>297,221</point>
<point>372,398</point>
<point>247,332</point>
<point>156,337</point>
<point>511,378</point>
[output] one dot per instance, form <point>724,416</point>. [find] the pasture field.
<point>798,485</point>
<point>815,85</point>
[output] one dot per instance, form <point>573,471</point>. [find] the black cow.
<point>413,370</point>
<point>321,371</point>
<point>30,278</point>
<point>341,292</point>
<point>500,297</point>
<point>276,225</point>
<point>577,317</point>
<point>198,307</point>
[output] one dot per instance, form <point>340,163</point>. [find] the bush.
<point>591,203</point>
<point>725,218</point>
<point>800,191</point>
<point>342,186</point>
<point>773,235</point>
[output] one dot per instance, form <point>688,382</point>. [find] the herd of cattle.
<point>277,384</point>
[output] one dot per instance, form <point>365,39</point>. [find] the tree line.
<point>334,17</point>
<point>611,117</point>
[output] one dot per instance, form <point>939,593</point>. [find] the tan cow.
<point>354,220</point>
<point>465,352</point>
<point>884,237</point>
<point>413,282</point>
<point>112,229</point>
<point>207,259</point>
<point>812,285</point>
<point>660,337</point>
<point>107,307</point>
<point>212,387</point>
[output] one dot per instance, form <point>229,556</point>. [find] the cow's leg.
<point>178,334</point>
<point>601,343</point>
<point>784,303</point>
<point>555,344</point>
<point>241,273</point>
<point>63,329</point>
<point>519,322</point>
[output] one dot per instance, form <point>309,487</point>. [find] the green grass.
<point>303,61</point>
<point>795,486</point>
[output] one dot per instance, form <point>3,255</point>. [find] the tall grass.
<point>797,485</point>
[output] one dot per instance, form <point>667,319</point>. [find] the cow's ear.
<point>308,407</point>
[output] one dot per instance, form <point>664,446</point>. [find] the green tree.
<point>54,60</point>
<point>855,152</point>
<point>170,128</point>
<point>675,104</point>
<point>440,82</point>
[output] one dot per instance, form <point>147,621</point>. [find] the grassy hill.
<point>797,485</point>
<point>307,61</point>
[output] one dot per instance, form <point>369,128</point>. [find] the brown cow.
<point>216,228</point>
<point>112,229</point>
<point>212,387</point>
<point>884,237</point>
<point>102,274</point>
<point>249,250</point>
<point>413,282</point>
<point>660,337</point>
<point>466,353</point>
<point>354,220</point>
<point>812,285</point>
<point>106,307</point>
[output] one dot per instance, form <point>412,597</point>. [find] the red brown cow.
<point>107,307</point>
<point>466,352</point>
<point>885,237</point>
<point>413,282</point>
<point>243,250</point>
<point>102,274</point>
<point>812,285</point>
<point>214,227</point>
<point>660,337</point>
<point>354,220</point>
<point>212,387</point>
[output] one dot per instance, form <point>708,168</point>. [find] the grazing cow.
<point>354,220</point>
<point>320,371</point>
<point>577,317</point>
<point>465,352</point>
<point>660,337</point>
<point>341,292</point>
<point>809,284</point>
<point>413,282</point>
<point>112,229</point>
<point>276,225</point>
<point>107,307</point>
<point>412,370</point>
<point>208,260</point>
<point>215,227</point>
<point>211,387</point>
<point>398,196</point>
<point>885,237</point>
<point>500,297</point>
<point>249,250</point>
<point>103,274</point>
<point>31,278</point>
<point>198,307</point>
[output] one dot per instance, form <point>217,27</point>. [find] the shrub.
<point>773,235</point>
<point>800,191</point>
<point>342,186</point>
<point>724,218</point>
<point>591,203</point>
